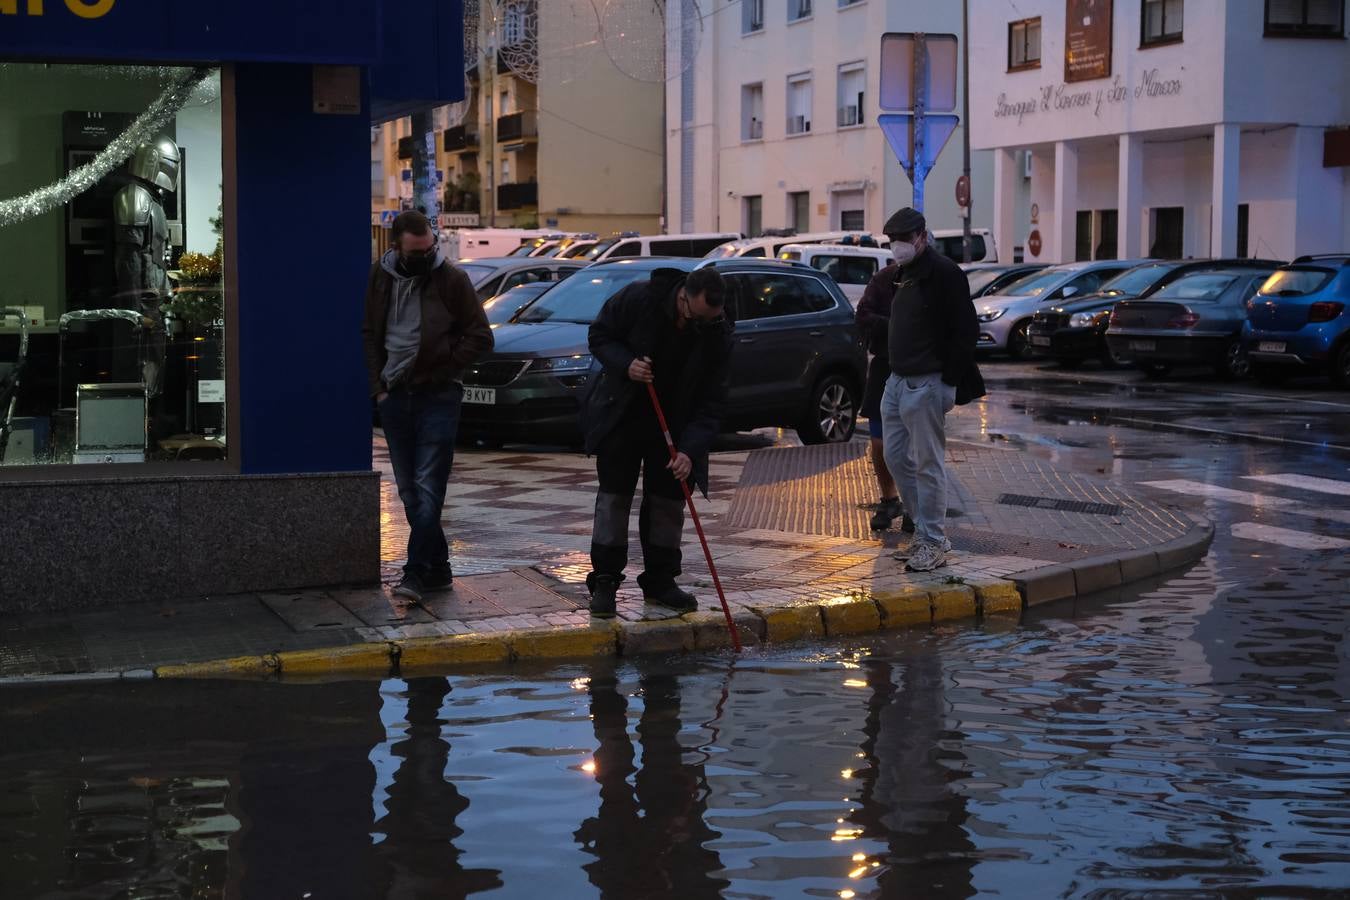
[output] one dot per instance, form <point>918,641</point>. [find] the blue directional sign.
<point>899,131</point>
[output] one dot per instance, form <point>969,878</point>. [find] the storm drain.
<point>1058,505</point>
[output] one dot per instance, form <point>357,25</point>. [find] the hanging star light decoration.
<point>146,127</point>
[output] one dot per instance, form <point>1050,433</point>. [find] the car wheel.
<point>1235,363</point>
<point>832,413</point>
<point>1113,360</point>
<point>1019,347</point>
<point>1340,375</point>
<point>1267,374</point>
<point>1155,370</point>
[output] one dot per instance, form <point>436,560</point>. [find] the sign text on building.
<point>1064,97</point>
<point>85,9</point>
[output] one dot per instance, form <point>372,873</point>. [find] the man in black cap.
<point>933,331</point>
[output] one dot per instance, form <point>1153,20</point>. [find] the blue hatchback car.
<point>1299,321</point>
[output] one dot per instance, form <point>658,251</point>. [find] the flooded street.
<point>1188,736</point>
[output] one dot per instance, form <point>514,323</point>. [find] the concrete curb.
<point>861,611</point>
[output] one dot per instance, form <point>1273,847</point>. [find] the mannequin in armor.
<point>141,233</point>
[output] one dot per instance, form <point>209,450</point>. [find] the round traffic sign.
<point>963,191</point>
<point>1034,243</point>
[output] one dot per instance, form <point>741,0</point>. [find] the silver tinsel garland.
<point>146,127</point>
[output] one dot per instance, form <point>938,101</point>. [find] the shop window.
<point>1082,244</point>
<point>1305,18</point>
<point>112,334</point>
<point>1108,224</point>
<point>799,205</point>
<point>754,216</point>
<point>1161,22</point>
<point>1168,232</point>
<point>1024,44</point>
<point>1242,232</point>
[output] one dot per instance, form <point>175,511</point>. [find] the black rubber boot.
<point>907,525</point>
<point>603,588</point>
<point>886,512</point>
<point>672,598</point>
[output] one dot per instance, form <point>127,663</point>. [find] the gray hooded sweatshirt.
<point>403,328</point>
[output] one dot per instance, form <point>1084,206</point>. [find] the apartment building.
<point>1169,128</point>
<point>775,123</point>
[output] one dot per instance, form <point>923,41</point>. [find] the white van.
<point>629,244</point>
<point>771,243</point>
<point>947,241</point>
<point>851,267</point>
<point>475,243</point>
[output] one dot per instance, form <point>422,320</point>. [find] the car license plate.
<point>1037,341</point>
<point>1271,346</point>
<point>481,395</point>
<point>1145,346</point>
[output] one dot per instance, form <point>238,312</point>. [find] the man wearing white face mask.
<point>933,331</point>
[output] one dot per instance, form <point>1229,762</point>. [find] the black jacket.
<point>938,298</point>
<point>628,327</point>
<point>873,316</point>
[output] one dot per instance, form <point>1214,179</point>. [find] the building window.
<point>752,112</point>
<point>120,289</point>
<point>847,3</point>
<point>1024,44</point>
<point>1243,225</point>
<point>1082,243</point>
<point>1169,224</point>
<point>850,100</point>
<point>1162,22</point>
<point>799,210</point>
<point>754,216</point>
<point>1305,18</point>
<point>852,220</point>
<point>1108,224</point>
<point>799,9</point>
<point>799,103</point>
<point>752,16</point>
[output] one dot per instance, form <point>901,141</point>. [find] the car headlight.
<point>991,315</point>
<point>1089,319</point>
<point>562,365</point>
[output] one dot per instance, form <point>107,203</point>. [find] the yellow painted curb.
<point>998,598</point>
<point>657,636</point>
<point>850,615</point>
<point>953,602</point>
<point>233,667</point>
<point>365,659</point>
<point>461,649</point>
<point>793,623</point>
<point>563,643</point>
<point>710,629</point>
<point>905,607</point>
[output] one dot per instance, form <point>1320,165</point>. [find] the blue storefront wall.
<point>302,240</point>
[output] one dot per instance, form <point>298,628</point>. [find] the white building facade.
<point>1169,128</point>
<point>774,125</point>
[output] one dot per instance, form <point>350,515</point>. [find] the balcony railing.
<point>519,125</point>
<point>461,137</point>
<point>516,196</point>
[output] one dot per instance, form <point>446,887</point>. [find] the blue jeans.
<point>420,424</point>
<point>913,411</point>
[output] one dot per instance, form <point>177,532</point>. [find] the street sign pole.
<point>918,172</point>
<point>965,132</point>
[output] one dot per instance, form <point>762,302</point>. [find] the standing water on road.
<point>1192,736</point>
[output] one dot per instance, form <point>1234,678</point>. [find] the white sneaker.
<point>905,553</point>
<point>928,557</point>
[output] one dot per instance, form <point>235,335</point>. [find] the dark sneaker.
<point>411,587</point>
<point>439,579</point>
<point>907,525</point>
<point>603,588</point>
<point>672,598</point>
<point>886,512</point>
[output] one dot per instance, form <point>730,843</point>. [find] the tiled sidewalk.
<point>787,527</point>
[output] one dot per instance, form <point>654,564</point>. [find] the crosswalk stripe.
<point>1287,537</point>
<point>1305,482</point>
<point>1248,498</point>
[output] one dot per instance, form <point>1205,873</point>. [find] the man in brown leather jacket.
<point>424,327</point>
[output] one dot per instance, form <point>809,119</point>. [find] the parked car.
<point>990,278</point>
<point>1195,320</point>
<point>491,276</point>
<point>1299,320</point>
<point>797,361</point>
<point>1005,317</point>
<point>851,267</point>
<point>685,245</point>
<point>950,243</point>
<point>770,243</point>
<point>510,303</point>
<point>537,245</point>
<point>569,243</point>
<point>1075,330</point>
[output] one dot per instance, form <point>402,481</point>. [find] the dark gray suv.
<point>797,361</point>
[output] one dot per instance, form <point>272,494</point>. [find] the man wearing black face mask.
<point>669,332</point>
<point>423,327</point>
